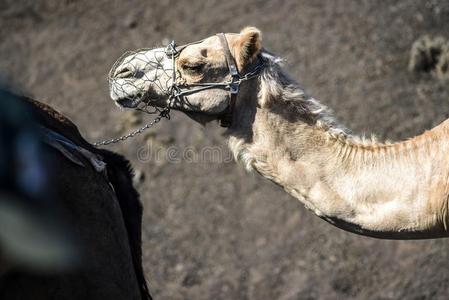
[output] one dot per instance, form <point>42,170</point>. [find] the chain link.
<point>165,113</point>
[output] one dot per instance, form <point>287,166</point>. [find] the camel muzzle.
<point>130,83</point>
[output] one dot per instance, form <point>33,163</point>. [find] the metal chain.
<point>165,113</point>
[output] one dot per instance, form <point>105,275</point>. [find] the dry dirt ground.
<point>211,231</point>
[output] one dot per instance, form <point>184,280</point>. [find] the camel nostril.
<point>127,73</point>
<point>123,73</point>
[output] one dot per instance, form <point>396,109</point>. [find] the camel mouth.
<point>139,101</point>
<point>133,98</point>
<point>128,102</point>
<point>132,101</point>
<point>126,94</point>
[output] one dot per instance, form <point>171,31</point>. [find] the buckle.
<point>234,87</point>
<point>170,50</point>
<point>233,70</point>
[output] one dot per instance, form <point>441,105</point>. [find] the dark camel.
<point>101,210</point>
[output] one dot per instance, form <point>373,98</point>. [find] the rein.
<point>165,113</point>
<point>177,91</point>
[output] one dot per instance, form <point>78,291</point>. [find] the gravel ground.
<point>212,231</point>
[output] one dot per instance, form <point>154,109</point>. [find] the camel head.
<point>195,78</point>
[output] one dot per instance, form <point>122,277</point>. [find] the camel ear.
<point>248,46</point>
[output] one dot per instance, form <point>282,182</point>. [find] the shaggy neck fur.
<point>393,191</point>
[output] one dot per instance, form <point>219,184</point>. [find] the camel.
<point>71,219</point>
<point>384,190</point>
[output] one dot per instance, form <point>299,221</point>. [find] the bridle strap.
<point>226,119</point>
<point>177,91</point>
<point>227,52</point>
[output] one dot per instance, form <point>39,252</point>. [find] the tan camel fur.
<point>384,190</point>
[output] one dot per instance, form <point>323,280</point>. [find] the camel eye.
<point>193,68</point>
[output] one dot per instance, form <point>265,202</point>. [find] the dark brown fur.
<point>88,199</point>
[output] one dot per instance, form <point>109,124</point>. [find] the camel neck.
<point>379,190</point>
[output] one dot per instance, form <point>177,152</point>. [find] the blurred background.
<point>210,230</point>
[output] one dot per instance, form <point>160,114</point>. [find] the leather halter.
<point>226,119</point>
<point>233,85</point>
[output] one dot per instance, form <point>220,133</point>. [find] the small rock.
<point>430,55</point>
<point>190,280</point>
<point>179,267</point>
<point>130,21</point>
